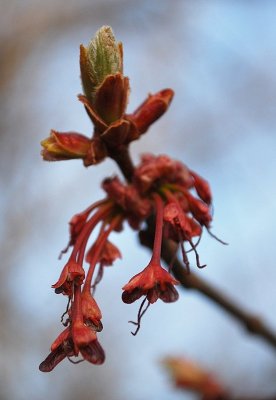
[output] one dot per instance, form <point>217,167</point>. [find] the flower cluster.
<point>161,189</point>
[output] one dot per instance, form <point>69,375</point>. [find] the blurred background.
<point>220,58</point>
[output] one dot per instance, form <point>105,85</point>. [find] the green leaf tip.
<point>102,57</point>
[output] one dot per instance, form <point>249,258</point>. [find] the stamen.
<point>184,257</point>
<point>97,279</point>
<point>100,244</point>
<point>65,312</point>
<point>64,251</point>
<point>195,244</point>
<point>87,211</point>
<point>141,312</point>
<point>197,255</point>
<point>75,362</point>
<point>215,237</point>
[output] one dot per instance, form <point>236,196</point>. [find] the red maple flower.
<point>61,348</point>
<point>108,255</point>
<point>154,282</point>
<point>72,273</point>
<point>85,340</point>
<point>156,171</point>
<point>135,207</point>
<point>184,226</point>
<point>74,340</point>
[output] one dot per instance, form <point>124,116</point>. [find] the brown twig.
<point>251,322</point>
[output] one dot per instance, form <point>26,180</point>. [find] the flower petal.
<point>93,353</point>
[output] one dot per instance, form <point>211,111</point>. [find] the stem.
<point>100,244</point>
<point>156,253</point>
<point>122,158</point>
<point>87,229</point>
<point>252,323</point>
<point>76,305</point>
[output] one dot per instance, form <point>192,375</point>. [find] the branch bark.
<point>252,323</point>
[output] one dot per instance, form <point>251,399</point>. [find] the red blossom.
<point>61,348</point>
<point>65,349</point>
<point>64,336</point>
<point>184,226</point>
<point>108,255</point>
<point>85,340</point>
<point>136,208</point>
<point>200,210</point>
<point>156,171</point>
<point>72,273</point>
<point>74,340</point>
<point>154,282</point>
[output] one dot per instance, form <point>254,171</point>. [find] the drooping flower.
<point>156,171</point>
<point>135,207</point>
<point>108,255</point>
<point>65,348</point>
<point>154,282</point>
<point>184,226</point>
<point>72,274</point>
<point>85,340</point>
<point>78,338</point>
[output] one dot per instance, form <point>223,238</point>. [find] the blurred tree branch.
<point>252,323</point>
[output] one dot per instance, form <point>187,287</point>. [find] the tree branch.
<point>252,323</point>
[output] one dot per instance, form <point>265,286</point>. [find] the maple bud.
<point>104,85</point>
<point>151,109</point>
<point>65,146</point>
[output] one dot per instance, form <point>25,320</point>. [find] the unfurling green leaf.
<point>102,57</point>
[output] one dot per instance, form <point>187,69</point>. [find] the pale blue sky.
<point>220,58</point>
